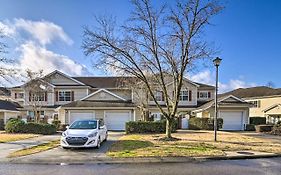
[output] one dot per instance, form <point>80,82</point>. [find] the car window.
<point>87,124</point>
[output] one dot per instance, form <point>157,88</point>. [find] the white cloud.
<point>31,40</point>
<point>44,32</point>
<point>208,77</point>
<point>36,58</point>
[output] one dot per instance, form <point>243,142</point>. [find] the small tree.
<point>156,45</point>
<point>37,90</point>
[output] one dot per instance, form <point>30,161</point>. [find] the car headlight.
<point>64,134</point>
<point>93,134</point>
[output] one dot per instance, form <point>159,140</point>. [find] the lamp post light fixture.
<point>216,62</point>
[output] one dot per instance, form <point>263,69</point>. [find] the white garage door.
<point>232,120</point>
<point>81,116</point>
<point>116,120</point>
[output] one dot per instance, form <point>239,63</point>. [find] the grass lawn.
<point>35,149</point>
<point>192,143</point>
<point>8,137</point>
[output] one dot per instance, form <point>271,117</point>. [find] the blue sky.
<point>247,32</point>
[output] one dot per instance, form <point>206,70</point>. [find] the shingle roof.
<point>104,82</point>
<point>220,97</point>
<point>205,85</point>
<point>9,105</point>
<point>91,103</point>
<point>112,82</point>
<point>259,91</point>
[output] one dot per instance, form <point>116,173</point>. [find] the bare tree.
<point>37,89</point>
<point>270,84</point>
<point>156,45</point>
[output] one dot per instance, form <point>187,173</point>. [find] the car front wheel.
<point>98,143</point>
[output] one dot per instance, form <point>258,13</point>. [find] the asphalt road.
<point>223,167</point>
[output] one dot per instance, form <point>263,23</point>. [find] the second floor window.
<point>37,96</point>
<point>159,96</point>
<point>204,94</point>
<point>184,96</point>
<point>64,95</point>
<point>256,103</point>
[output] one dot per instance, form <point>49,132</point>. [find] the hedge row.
<point>250,127</point>
<point>257,120</point>
<point>264,128</point>
<point>148,127</point>
<point>204,123</point>
<point>19,126</point>
<point>276,130</point>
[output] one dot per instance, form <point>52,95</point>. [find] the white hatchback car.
<point>84,133</point>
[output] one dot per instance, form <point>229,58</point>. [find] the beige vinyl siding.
<point>102,95</point>
<point>78,94</point>
<point>124,93</point>
<point>264,103</point>
<point>58,79</point>
<point>99,114</point>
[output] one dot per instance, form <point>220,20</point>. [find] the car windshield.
<point>86,124</point>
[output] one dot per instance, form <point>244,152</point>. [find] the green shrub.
<point>148,127</point>
<point>63,127</point>
<point>18,126</point>
<point>204,123</point>
<point>14,125</point>
<point>257,120</point>
<point>250,127</point>
<point>56,123</point>
<point>2,125</point>
<point>39,128</point>
<point>264,128</point>
<point>276,130</point>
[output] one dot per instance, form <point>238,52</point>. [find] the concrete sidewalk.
<point>9,147</point>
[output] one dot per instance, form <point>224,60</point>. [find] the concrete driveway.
<point>77,153</point>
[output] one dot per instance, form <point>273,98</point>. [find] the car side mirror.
<point>67,127</point>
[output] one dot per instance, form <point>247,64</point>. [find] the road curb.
<point>106,160</point>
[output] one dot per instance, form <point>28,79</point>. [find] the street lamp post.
<point>216,62</point>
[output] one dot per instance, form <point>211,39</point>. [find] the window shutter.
<point>209,94</point>
<point>15,95</point>
<point>29,96</point>
<point>197,94</point>
<point>46,96</point>
<point>190,95</point>
<point>57,96</point>
<point>162,96</point>
<point>72,95</point>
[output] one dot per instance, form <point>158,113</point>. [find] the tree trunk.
<point>169,128</point>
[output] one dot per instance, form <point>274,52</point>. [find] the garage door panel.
<point>81,116</point>
<point>116,120</point>
<point>232,120</point>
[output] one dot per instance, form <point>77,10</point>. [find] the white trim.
<point>56,71</point>
<point>271,107</point>
<point>185,79</point>
<point>5,118</point>
<point>88,96</point>
<point>134,114</point>
<point>232,96</point>
<point>5,110</point>
<point>229,96</point>
<point>40,79</point>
